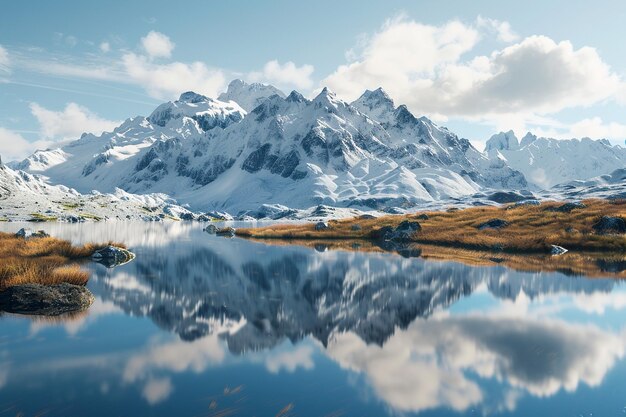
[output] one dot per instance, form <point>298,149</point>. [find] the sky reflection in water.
<point>200,325</point>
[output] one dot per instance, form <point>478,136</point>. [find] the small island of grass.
<point>528,227</point>
<point>40,274</point>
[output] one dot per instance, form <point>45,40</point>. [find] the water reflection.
<point>422,336</point>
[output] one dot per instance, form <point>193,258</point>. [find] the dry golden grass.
<point>590,264</point>
<point>531,229</point>
<point>46,261</point>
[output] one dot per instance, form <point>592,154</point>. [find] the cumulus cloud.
<point>299,357</point>
<point>287,75</point>
<point>427,365</point>
<point>423,66</point>
<point>501,29</point>
<point>157,45</point>
<point>167,81</point>
<point>70,122</point>
<point>157,390</point>
<point>14,146</point>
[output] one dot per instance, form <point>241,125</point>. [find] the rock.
<point>40,234</point>
<point>452,209</point>
<point>24,233</point>
<point>524,204</point>
<point>219,215</point>
<point>45,300</point>
<point>422,216</point>
<point>211,229</point>
<point>366,217</point>
<point>321,226</point>
<point>203,218</point>
<point>226,232</point>
<point>320,247</point>
<point>187,216</point>
<point>557,250</point>
<point>406,230</point>
<point>111,256</point>
<point>384,233</point>
<point>567,207</point>
<point>503,197</point>
<point>493,224</point>
<point>356,227</point>
<point>610,225</point>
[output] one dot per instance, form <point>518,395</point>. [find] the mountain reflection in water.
<point>372,333</point>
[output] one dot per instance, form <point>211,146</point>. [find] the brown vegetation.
<point>44,260</point>
<point>530,229</point>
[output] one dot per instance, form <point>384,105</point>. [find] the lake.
<point>199,325</point>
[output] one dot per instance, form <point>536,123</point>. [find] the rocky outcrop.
<point>44,300</point>
<point>27,233</point>
<point>610,225</point>
<point>112,256</point>
<point>493,224</point>
<point>567,207</point>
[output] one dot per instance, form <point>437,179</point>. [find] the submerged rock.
<point>112,256</point>
<point>493,224</point>
<point>610,225</point>
<point>226,232</point>
<point>45,300</point>
<point>211,229</point>
<point>557,250</point>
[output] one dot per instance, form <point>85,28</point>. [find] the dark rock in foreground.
<point>45,300</point>
<point>610,225</point>
<point>493,224</point>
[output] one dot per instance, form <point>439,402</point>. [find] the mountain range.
<point>255,149</point>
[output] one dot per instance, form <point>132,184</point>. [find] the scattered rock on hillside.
<point>610,225</point>
<point>503,197</point>
<point>557,250</point>
<point>567,207</point>
<point>493,224</point>
<point>321,226</point>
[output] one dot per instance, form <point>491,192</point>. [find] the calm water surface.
<point>204,326</point>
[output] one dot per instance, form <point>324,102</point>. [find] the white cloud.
<point>157,390</point>
<point>157,45</point>
<point>105,47</point>
<point>284,75</point>
<point>167,81</point>
<point>14,146</point>
<point>299,357</point>
<point>502,29</point>
<point>423,66</point>
<point>4,59</point>
<point>70,122</point>
<point>427,365</point>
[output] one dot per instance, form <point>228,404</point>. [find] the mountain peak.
<point>503,141</point>
<point>527,139</point>
<point>192,97</point>
<point>296,97</point>
<point>249,96</point>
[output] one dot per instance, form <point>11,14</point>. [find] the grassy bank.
<point>44,260</point>
<point>529,228</point>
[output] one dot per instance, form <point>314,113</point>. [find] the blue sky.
<point>556,68</point>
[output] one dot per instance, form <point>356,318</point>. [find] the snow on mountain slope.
<point>248,96</point>
<point>213,155</point>
<point>547,162</point>
<point>25,196</point>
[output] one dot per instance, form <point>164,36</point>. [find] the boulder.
<point>226,232</point>
<point>366,217</point>
<point>493,224</point>
<point>52,300</point>
<point>356,227</point>
<point>557,250</point>
<point>403,232</point>
<point>112,256</point>
<point>526,203</point>
<point>321,226</point>
<point>567,207</point>
<point>188,216</point>
<point>203,218</point>
<point>610,225</point>
<point>422,216</point>
<point>24,233</point>
<point>503,197</point>
<point>211,229</point>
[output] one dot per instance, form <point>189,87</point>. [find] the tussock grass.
<point>531,228</point>
<point>46,261</point>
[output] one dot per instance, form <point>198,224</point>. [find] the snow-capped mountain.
<point>236,155</point>
<point>546,162</point>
